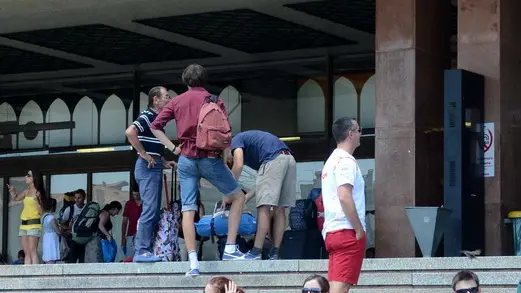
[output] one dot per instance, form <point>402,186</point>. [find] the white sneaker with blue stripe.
<point>236,255</point>
<point>251,256</point>
<point>193,273</point>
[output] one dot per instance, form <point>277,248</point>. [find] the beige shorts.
<point>30,232</point>
<point>276,183</point>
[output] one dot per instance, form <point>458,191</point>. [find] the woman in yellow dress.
<point>30,228</point>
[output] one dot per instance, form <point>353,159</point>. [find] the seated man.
<point>466,282</point>
<point>275,184</point>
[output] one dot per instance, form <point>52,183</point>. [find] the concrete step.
<point>497,274</point>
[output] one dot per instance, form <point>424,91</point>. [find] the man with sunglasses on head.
<point>344,207</point>
<point>466,282</point>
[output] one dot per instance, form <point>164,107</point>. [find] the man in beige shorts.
<point>275,184</point>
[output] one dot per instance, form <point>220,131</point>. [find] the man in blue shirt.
<point>275,184</point>
<point>148,172</point>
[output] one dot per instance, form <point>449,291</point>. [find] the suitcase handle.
<point>165,183</point>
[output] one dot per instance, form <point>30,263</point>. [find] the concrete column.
<point>412,51</point>
<point>489,44</point>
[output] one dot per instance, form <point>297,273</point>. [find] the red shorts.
<point>346,255</point>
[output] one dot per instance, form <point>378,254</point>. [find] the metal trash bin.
<point>515,219</point>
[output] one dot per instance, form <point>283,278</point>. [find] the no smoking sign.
<point>488,139</point>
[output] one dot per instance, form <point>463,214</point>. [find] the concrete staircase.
<point>398,275</point>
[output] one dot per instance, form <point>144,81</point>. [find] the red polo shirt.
<point>185,110</point>
<point>132,212</point>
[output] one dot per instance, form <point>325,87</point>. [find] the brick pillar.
<point>412,51</point>
<point>489,44</point>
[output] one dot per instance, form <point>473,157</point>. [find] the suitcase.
<point>303,245</point>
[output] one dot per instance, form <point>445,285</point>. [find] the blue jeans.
<point>192,170</point>
<point>149,181</point>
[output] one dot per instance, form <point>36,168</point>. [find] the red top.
<point>185,110</point>
<point>132,212</point>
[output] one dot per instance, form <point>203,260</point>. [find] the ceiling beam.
<point>171,37</point>
<point>56,53</point>
<point>286,57</point>
<point>192,42</point>
<point>365,40</point>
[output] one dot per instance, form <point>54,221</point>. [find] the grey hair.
<point>340,128</point>
<point>154,92</point>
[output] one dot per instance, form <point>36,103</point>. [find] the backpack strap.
<point>43,219</point>
<point>212,98</point>
<point>71,213</point>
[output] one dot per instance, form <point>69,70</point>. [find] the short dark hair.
<point>322,282</point>
<point>21,253</point>
<point>340,128</point>
<point>81,192</point>
<point>194,76</point>
<point>464,275</point>
<point>154,92</point>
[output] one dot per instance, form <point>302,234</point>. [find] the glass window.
<point>367,169</point>
<point>308,177</point>
<point>60,184</point>
<point>112,186</point>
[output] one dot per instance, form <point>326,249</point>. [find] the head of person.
<point>466,282</point>
<point>158,97</point>
<point>315,284</point>
<point>79,197</point>
<point>21,255</point>
<point>34,179</point>
<point>218,285</point>
<point>347,131</point>
<point>113,208</point>
<point>68,197</point>
<point>194,76</point>
<point>136,196</point>
<point>49,205</point>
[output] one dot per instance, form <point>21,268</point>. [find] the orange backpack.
<point>214,132</point>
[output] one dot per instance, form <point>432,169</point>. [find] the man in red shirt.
<point>131,214</point>
<point>195,164</point>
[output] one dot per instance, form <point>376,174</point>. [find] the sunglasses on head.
<point>468,290</point>
<point>313,290</point>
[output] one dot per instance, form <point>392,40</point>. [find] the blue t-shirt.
<point>258,147</point>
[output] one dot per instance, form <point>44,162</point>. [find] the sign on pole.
<point>489,141</point>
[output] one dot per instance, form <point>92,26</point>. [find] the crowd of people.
<point>207,150</point>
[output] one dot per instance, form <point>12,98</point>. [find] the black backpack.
<point>303,216</point>
<point>86,224</point>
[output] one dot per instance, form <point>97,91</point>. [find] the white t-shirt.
<point>77,212</point>
<point>341,168</point>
